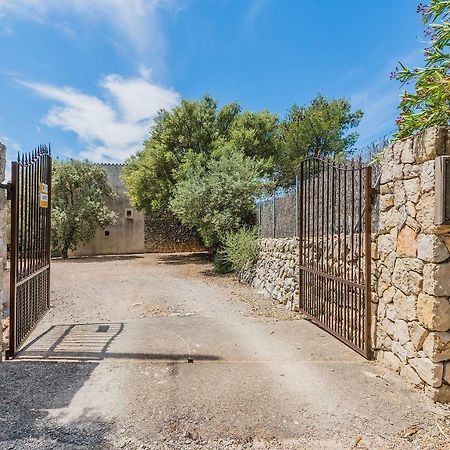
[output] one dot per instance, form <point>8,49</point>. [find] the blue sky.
<point>90,75</point>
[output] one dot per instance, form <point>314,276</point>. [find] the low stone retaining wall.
<point>276,270</point>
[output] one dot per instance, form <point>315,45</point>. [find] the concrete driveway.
<point>155,352</point>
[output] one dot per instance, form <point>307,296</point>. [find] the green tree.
<point>321,129</point>
<point>219,198</point>
<point>429,102</point>
<point>189,136</point>
<point>79,193</point>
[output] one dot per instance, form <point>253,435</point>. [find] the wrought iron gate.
<point>30,194</point>
<point>334,236</point>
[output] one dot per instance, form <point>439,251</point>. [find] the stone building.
<point>135,232</point>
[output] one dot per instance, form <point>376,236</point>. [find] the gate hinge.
<point>8,187</point>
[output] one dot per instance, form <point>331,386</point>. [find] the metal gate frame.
<point>30,195</point>
<point>335,290</point>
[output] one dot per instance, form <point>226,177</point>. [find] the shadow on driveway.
<point>185,258</point>
<point>91,342</point>
<point>29,390</point>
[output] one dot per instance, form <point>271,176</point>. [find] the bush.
<point>219,198</point>
<point>240,247</point>
<point>221,264</point>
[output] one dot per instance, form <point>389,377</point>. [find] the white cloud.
<point>136,20</point>
<point>114,127</point>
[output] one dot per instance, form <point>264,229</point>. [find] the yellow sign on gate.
<point>43,195</point>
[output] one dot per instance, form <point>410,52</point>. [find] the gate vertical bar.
<point>300,198</point>
<point>13,260</point>
<point>368,271</point>
<point>49,219</point>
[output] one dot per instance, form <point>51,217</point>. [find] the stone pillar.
<point>3,238</point>
<point>411,262</point>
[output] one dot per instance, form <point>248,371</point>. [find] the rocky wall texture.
<point>411,266</point>
<point>163,233</point>
<point>275,270</point>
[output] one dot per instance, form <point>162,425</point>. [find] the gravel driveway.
<point>156,352</point>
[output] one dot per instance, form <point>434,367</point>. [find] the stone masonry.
<point>410,266</point>
<point>276,270</point>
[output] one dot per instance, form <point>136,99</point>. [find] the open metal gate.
<point>30,194</point>
<point>334,239</point>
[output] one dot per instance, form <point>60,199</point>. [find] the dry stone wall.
<point>163,233</point>
<point>275,270</point>
<point>410,266</point>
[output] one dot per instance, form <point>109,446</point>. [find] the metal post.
<point>296,206</point>
<point>49,218</point>
<point>273,216</point>
<point>368,272</point>
<point>13,261</point>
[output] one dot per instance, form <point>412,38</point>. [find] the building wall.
<point>127,235</point>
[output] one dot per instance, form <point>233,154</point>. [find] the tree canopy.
<point>428,103</point>
<point>320,129</point>
<point>207,164</point>
<point>79,193</point>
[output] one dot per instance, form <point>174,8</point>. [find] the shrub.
<point>240,247</point>
<point>219,198</point>
<point>221,264</point>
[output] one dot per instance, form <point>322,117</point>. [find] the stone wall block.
<point>387,188</point>
<point>390,172</point>
<point>437,346</point>
<point>429,144</point>
<point>401,333</point>
<point>425,211</point>
<point>407,152</point>
<point>411,376</point>
<point>446,375</point>
<point>418,335</point>
<point>440,394</point>
<point>399,194</point>
<point>406,242</point>
<point>388,326</point>
<point>386,202</point>
<point>431,249</point>
<point>427,176</point>
<point>429,371</point>
<point>392,361</point>
<point>437,279</point>
<point>403,352</point>
<point>433,312</point>
<point>412,189</point>
<point>405,306</point>
<point>407,277</point>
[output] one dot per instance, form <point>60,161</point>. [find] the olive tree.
<point>79,193</point>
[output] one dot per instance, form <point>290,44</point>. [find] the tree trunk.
<point>65,253</point>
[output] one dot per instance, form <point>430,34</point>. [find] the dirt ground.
<point>155,352</point>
